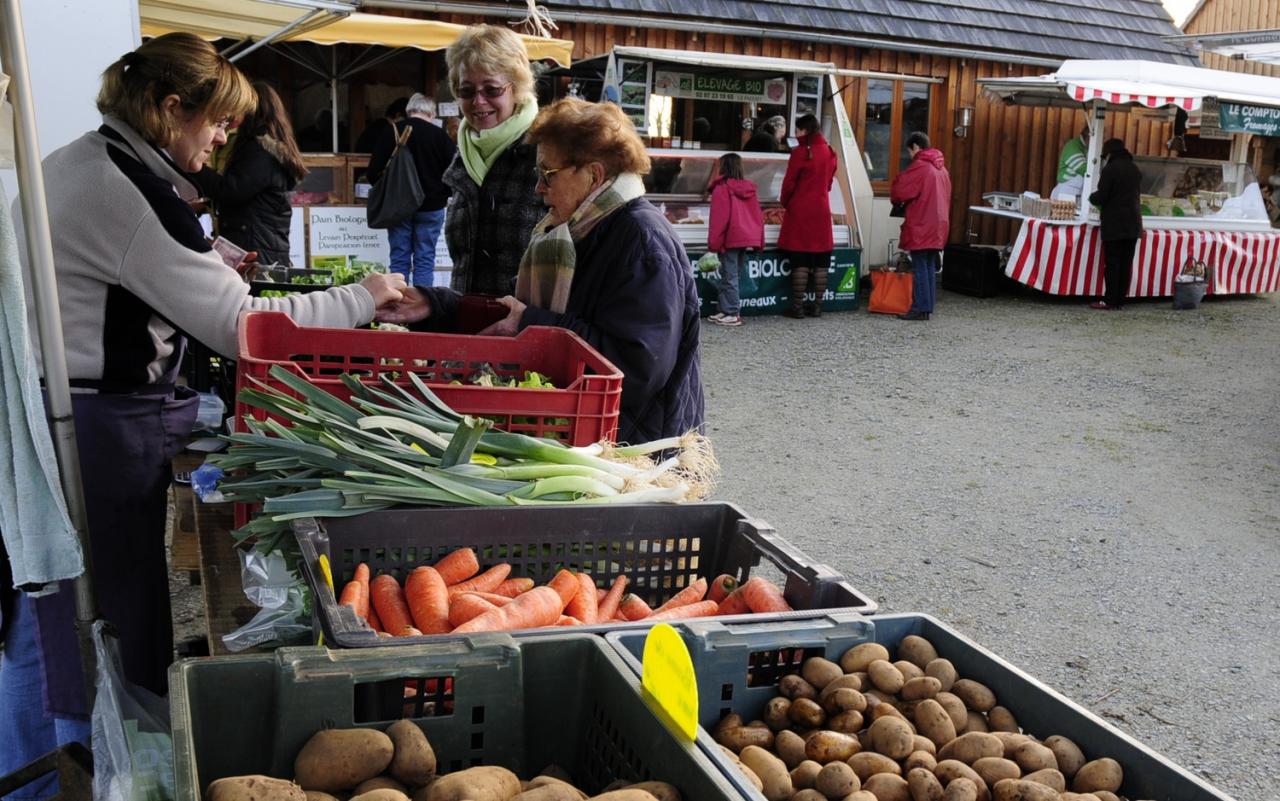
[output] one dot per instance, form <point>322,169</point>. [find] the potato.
<point>976,696</point>
<point>806,712</point>
<point>339,759</point>
<point>956,709</point>
<point>1023,790</point>
<point>1100,774</point>
<point>1011,741</point>
<point>970,747</point>
<point>808,794</point>
<point>382,794</point>
<point>380,783</point>
<point>742,736</point>
<point>553,791</point>
<point>960,789</point>
<point>993,769</point>
<point>659,790</point>
<point>858,657</point>
<point>414,762</point>
<point>1104,795</point>
<point>752,777</point>
<point>850,681</point>
<point>1050,777</point>
<point>892,737</point>
<point>933,722</point>
<point>950,769</point>
<point>923,743</point>
<point>943,671</point>
<point>730,721</point>
<point>837,780</point>
<point>775,713</point>
<point>869,763</point>
<point>1002,719</point>
<point>923,785</point>
<point>805,774</point>
<point>850,721</point>
<point>790,748</point>
<point>1032,756</point>
<point>975,721</point>
<point>488,783</point>
<point>623,795</point>
<point>909,670</point>
<point>861,795</point>
<point>1078,797</point>
<point>830,746</point>
<point>887,787</point>
<point>820,672</point>
<point>887,711</point>
<point>552,771</point>
<point>917,650</point>
<point>793,687</point>
<point>842,699</point>
<point>1070,757</point>
<point>254,788</point>
<point>773,774</point>
<point>920,759</point>
<point>885,677</point>
<point>316,795</point>
<point>920,688</point>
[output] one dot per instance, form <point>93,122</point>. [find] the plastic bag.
<point>132,746</point>
<point>204,483</point>
<point>708,263</point>
<point>284,618</point>
<point>209,415</point>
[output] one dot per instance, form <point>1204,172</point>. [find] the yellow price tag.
<point>327,573</point>
<point>667,678</point>
<point>483,458</point>
<point>415,446</point>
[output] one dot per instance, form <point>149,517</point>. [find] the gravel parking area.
<point>1094,496</point>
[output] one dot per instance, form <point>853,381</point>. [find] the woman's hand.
<point>413,307</point>
<point>508,326</point>
<point>386,288</point>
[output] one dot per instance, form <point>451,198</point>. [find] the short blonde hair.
<point>497,51</point>
<point>584,132</point>
<point>182,64</point>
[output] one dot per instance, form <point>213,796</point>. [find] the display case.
<point>1199,188</point>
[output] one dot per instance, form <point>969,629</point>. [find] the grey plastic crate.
<point>661,548</point>
<point>567,700</point>
<point>738,666</point>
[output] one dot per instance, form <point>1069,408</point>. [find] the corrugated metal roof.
<point>1094,29</point>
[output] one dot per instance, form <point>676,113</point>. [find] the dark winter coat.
<point>1119,196</point>
<point>432,151</point>
<point>488,227</point>
<point>763,142</point>
<point>252,197</point>
<point>925,187</point>
<point>806,195</point>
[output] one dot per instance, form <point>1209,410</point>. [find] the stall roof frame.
<point>1260,46</point>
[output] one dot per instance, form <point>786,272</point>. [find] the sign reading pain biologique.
<point>720,87</point>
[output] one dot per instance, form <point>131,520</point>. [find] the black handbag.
<point>898,209</point>
<point>398,193</point>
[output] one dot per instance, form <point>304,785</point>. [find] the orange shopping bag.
<point>890,292</point>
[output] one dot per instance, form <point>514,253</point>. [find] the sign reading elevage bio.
<point>720,87</point>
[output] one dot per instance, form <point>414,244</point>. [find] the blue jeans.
<point>413,247</point>
<point>731,262</point>
<point>924,290</point>
<point>26,732</point>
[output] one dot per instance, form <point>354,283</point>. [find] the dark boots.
<point>819,289</point>
<point>799,283</point>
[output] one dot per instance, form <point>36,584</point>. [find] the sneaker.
<point>715,318</point>
<point>727,319</point>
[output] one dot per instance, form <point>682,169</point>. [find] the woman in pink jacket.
<point>737,225</point>
<point>925,187</point>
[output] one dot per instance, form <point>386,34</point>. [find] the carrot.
<point>389,601</point>
<point>411,632</point>
<point>428,599</point>
<point>735,603</point>
<point>458,565</point>
<point>689,595</point>
<point>355,595</point>
<point>467,606</point>
<point>633,607</point>
<point>608,607</point>
<point>697,609</point>
<point>513,587</point>
<point>566,586</point>
<point>721,587</point>
<point>584,603</point>
<point>600,593</point>
<point>540,606</point>
<point>491,597</point>
<point>487,581</point>
<point>568,620</point>
<point>763,595</point>
<point>373,621</point>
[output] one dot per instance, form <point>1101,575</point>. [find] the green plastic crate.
<point>567,700</point>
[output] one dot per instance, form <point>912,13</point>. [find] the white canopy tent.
<point>1260,46</point>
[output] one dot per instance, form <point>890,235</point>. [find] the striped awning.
<point>1085,92</point>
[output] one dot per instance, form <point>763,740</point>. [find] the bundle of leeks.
<point>387,446</point>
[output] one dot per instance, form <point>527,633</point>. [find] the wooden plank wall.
<point>1228,16</point>
<point>1007,148</point>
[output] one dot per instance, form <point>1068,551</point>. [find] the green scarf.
<point>480,149</point>
<point>546,269</point>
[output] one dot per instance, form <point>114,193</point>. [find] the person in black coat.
<point>251,196</point>
<point>767,137</point>
<point>1118,196</point>
<point>413,242</point>
<point>376,130</point>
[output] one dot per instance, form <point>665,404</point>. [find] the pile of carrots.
<point>454,596</point>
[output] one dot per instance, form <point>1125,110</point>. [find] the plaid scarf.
<point>546,270</point>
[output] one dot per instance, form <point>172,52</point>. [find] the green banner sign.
<point>1241,118</point>
<point>764,283</point>
<point>720,87</point>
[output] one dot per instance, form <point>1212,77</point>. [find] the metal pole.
<point>44,287</point>
<point>333,93</point>
<point>280,34</point>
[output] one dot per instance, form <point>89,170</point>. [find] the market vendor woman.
<point>136,276</point>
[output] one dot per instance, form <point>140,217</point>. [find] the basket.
<point>662,548</point>
<point>738,667</point>
<point>565,700</point>
<point>582,409</point>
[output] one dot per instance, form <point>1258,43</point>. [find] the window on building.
<point>893,110</point>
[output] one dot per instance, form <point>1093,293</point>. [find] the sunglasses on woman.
<point>491,92</point>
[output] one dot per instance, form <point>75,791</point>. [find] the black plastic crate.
<point>972,270</point>
<point>738,666</point>
<point>565,699</point>
<point>661,548</point>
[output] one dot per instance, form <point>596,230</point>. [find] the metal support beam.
<point>279,34</point>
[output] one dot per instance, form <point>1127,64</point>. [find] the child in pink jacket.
<point>737,225</point>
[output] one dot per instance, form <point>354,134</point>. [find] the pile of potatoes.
<point>400,765</point>
<point>872,729</point>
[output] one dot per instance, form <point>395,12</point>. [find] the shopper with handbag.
<point>806,228</point>
<point>924,190</point>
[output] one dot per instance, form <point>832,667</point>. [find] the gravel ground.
<point>1093,496</point>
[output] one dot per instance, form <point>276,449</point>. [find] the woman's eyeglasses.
<point>490,92</point>
<point>544,176</point>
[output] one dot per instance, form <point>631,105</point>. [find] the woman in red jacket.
<point>806,228</point>
<point>925,187</point>
<point>737,225</point>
